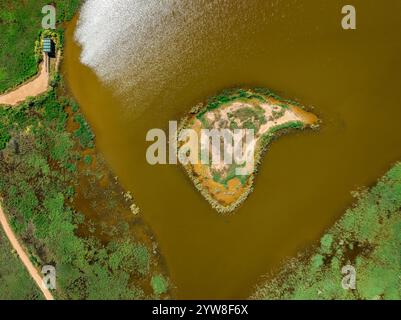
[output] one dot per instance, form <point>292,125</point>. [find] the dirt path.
<point>34,87</point>
<point>34,273</point>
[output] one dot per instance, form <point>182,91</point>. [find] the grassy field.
<point>367,237</point>
<point>15,282</point>
<point>20,23</point>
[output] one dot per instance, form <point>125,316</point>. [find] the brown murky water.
<point>351,77</point>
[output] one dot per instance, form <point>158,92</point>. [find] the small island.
<point>260,110</point>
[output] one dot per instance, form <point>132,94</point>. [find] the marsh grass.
<point>159,285</point>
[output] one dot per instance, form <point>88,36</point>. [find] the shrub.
<point>159,284</point>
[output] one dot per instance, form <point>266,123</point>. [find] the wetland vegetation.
<point>303,184</point>
<point>63,202</point>
<point>45,175</point>
<point>367,237</point>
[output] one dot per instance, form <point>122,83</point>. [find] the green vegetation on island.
<point>257,110</point>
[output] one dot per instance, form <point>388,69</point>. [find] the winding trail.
<point>34,273</point>
<point>32,88</point>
